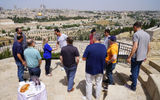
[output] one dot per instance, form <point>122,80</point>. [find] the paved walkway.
<point>56,85</point>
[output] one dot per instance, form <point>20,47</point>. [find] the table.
<point>33,93</point>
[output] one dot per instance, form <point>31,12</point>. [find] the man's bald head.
<point>30,42</point>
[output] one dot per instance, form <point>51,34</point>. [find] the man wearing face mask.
<point>18,33</point>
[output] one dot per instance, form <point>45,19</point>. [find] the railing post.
<point>118,51</point>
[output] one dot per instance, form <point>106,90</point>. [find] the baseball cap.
<point>112,38</point>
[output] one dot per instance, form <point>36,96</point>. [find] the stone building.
<point>154,33</point>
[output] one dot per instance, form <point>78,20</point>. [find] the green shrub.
<point>54,55</point>
<point>5,54</point>
<point>3,31</point>
<point>69,26</point>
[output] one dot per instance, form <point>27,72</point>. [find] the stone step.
<point>153,86</point>
<point>123,74</point>
<point>117,80</point>
<point>117,92</point>
<point>155,64</point>
<point>149,69</point>
<point>143,77</point>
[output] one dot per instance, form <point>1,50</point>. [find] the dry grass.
<point>103,22</point>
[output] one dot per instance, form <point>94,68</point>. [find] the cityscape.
<point>40,23</point>
<point>37,23</point>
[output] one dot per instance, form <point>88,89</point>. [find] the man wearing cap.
<point>94,56</point>
<point>111,58</point>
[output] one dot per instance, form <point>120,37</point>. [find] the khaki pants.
<point>89,83</point>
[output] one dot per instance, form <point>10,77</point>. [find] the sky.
<point>108,5</point>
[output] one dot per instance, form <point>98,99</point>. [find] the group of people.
<point>26,56</point>
<point>98,56</point>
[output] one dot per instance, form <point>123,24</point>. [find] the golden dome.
<point>39,14</point>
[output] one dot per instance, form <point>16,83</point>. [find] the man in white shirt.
<point>61,38</point>
<point>106,43</point>
<point>107,35</point>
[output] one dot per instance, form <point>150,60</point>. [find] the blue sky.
<point>117,5</point>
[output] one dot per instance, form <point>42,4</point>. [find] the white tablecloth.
<point>32,93</point>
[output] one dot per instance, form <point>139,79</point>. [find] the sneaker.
<point>105,81</point>
<point>130,77</point>
<point>129,87</point>
<point>62,69</point>
<point>111,84</point>
<point>84,98</point>
<point>49,75</point>
<point>73,83</point>
<point>105,88</point>
<point>71,90</point>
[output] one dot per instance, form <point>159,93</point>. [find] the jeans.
<point>20,71</point>
<point>35,71</point>
<point>70,72</point>
<point>89,82</point>
<point>47,66</point>
<point>110,68</point>
<point>135,67</point>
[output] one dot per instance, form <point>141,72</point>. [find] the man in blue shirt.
<point>33,59</point>
<point>95,59</point>
<point>17,50</point>
<point>19,32</point>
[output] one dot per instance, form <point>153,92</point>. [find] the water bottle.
<point>40,85</point>
<point>36,85</point>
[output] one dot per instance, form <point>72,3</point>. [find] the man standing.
<point>61,38</point>
<point>33,59</point>
<point>139,52</point>
<point>70,59</point>
<point>93,31</point>
<point>19,32</point>
<point>17,50</point>
<point>106,43</point>
<point>107,35</point>
<point>111,58</point>
<point>95,59</point>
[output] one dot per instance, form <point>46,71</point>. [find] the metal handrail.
<point>124,50</point>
